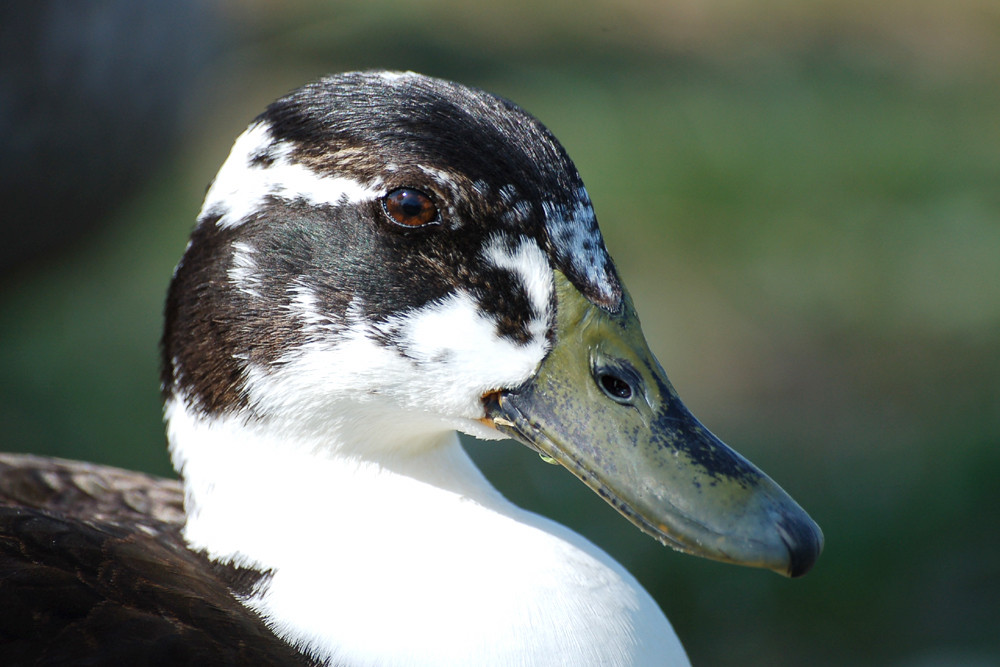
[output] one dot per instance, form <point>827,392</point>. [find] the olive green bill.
<point>601,405</point>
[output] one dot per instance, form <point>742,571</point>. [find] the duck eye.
<point>409,207</point>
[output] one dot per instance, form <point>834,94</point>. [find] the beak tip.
<point>804,541</point>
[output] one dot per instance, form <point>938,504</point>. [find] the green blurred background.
<point>804,199</point>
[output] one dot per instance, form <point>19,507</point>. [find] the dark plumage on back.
<point>93,571</point>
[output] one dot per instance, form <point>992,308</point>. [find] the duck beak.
<point>601,405</point>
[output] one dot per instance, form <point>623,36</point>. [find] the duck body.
<point>385,259</point>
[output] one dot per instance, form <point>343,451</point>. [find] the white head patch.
<point>258,168</point>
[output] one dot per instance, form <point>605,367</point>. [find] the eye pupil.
<point>409,207</point>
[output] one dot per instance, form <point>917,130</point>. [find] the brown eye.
<point>409,207</point>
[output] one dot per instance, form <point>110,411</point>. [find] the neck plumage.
<point>406,556</point>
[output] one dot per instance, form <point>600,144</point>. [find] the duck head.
<point>386,256</point>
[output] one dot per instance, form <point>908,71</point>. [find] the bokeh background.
<point>804,199</point>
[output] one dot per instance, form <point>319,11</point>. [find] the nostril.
<point>618,380</point>
<point>615,387</point>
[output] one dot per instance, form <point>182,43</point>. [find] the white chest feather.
<point>413,560</point>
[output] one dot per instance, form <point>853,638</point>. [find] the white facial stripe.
<point>243,270</point>
<point>530,264</point>
<point>456,344</point>
<point>451,355</point>
<point>303,306</point>
<point>241,187</point>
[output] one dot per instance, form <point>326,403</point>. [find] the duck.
<point>384,260</point>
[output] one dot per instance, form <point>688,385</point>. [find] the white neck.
<point>412,559</point>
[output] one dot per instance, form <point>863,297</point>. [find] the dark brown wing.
<point>89,491</point>
<point>93,571</point>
